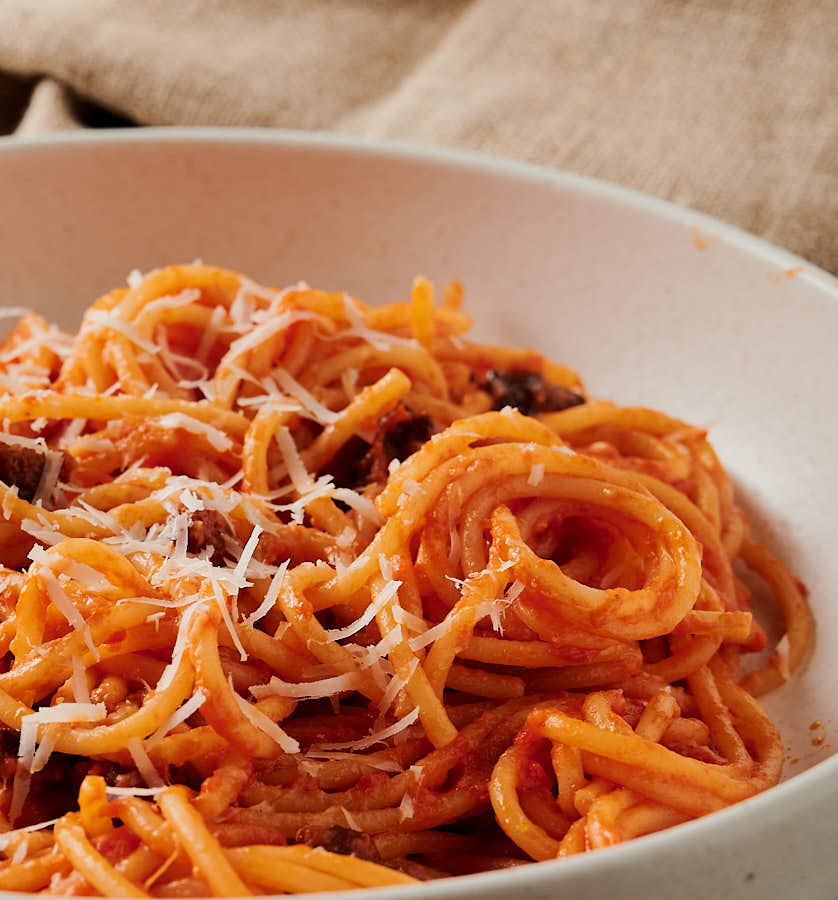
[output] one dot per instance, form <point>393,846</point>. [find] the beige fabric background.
<point>731,108</point>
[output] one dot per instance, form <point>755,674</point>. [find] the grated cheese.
<point>297,472</point>
<point>430,635</point>
<point>247,555</point>
<point>14,312</point>
<point>99,320</point>
<point>385,567</point>
<point>166,301</point>
<point>143,762</point>
<point>132,791</point>
<point>42,754</point>
<point>12,494</point>
<point>228,621</point>
<point>29,725</point>
<point>377,736</point>
<point>536,474</point>
<point>270,597</point>
<point>351,821</point>
<point>64,605</point>
<point>381,340</point>
<point>395,685</point>
<point>81,692</point>
<point>414,623</point>
<point>20,854</point>
<point>263,331</point>
<point>310,690</point>
<point>406,807</point>
<point>179,649</point>
<point>349,381</point>
<point>53,461</point>
<point>387,593</point>
<point>409,489</point>
<point>215,436</point>
<point>360,504</point>
<point>192,705</point>
<point>345,539</point>
<point>781,656</point>
<point>268,726</point>
<point>308,401</point>
<point>211,332</point>
<point>7,836</point>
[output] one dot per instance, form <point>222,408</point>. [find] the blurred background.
<point>726,107</point>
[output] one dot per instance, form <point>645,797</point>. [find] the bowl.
<point>651,303</point>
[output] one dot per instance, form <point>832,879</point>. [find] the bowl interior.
<point>653,305</point>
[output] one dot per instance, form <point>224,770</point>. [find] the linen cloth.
<point>728,107</point>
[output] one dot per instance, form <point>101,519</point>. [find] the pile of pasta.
<point>299,594</point>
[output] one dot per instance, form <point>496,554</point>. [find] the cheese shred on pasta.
<point>299,594</point>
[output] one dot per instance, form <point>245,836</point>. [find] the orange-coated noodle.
<point>301,595</point>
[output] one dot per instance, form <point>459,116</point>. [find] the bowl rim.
<point>814,780</point>
<point>407,151</point>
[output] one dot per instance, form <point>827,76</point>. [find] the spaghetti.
<point>303,595</point>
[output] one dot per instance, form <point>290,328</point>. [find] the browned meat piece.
<point>349,467</point>
<point>340,840</point>
<point>29,465</point>
<point>527,391</point>
<point>400,433</point>
<point>210,529</point>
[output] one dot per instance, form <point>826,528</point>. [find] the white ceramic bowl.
<point>651,303</point>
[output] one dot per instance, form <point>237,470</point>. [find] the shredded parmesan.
<point>193,704</point>
<point>29,725</point>
<point>345,539</point>
<point>308,401</point>
<point>395,685</point>
<point>385,567</point>
<point>536,474</point>
<point>215,436</point>
<point>430,635</point>
<point>14,312</point>
<point>409,489</point>
<point>781,655</point>
<point>7,836</point>
<point>310,690</point>
<point>144,765</point>
<point>377,736</point>
<point>42,754</point>
<point>360,504</point>
<point>270,597</point>
<point>257,718</point>
<point>179,649</point>
<point>297,472</point>
<point>132,791</point>
<point>81,692</point>
<point>351,821</point>
<point>9,498</point>
<point>385,596</point>
<point>381,340</point>
<point>414,623</point>
<point>406,807</point>
<point>228,621</point>
<point>373,761</point>
<point>247,553</point>
<point>64,605</point>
